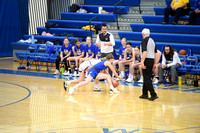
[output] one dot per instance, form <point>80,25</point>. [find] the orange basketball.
<point>182,52</point>
<point>115,82</point>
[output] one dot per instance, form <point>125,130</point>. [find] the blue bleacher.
<point>194,47</point>
<point>191,2</point>
<point>160,19</point>
<point>52,38</point>
<point>190,29</point>
<point>60,31</point>
<point>111,2</point>
<point>92,8</point>
<point>160,10</point>
<point>162,37</point>
<point>75,24</point>
<point>88,16</point>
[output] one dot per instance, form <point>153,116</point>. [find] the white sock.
<point>69,82</point>
<point>122,73</point>
<point>75,87</point>
<point>141,77</point>
<point>96,86</point>
<point>111,87</point>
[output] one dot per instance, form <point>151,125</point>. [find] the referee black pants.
<point>147,83</point>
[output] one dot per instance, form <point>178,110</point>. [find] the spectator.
<point>89,49</point>
<point>148,55</point>
<point>128,58</point>
<point>170,59</point>
<point>65,52</point>
<point>177,9</point>
<point>135,64</point>
<point>195,13</point>
<point>121,53</point>
<point>78,52</point>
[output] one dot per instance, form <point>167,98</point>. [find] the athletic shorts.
<point>93,73</point>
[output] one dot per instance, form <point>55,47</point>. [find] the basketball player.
<point>94,73</point>
<point>83,68</point>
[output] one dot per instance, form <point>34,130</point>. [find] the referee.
<point>148,53</point>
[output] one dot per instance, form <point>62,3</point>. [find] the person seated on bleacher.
<point>65,52</point>
<point>98,52</point>
<point>128,58</point>
<point>177,9</point>
<point>78,52</point>
<point>156,69</point>
<point>121,53</point>
<point>136,63</point>
<point>195,13</point>
<point>170,59</point>
<point>89,49</point>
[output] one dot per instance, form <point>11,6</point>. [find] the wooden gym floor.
<point>32,102</point>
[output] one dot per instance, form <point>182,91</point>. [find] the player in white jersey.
<point>83,68</point>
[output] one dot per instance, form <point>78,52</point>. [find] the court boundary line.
<point>29,93</point>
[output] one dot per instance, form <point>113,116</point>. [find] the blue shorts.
<point>93,73</point>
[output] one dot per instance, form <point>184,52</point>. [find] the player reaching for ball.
<point>94,73</point>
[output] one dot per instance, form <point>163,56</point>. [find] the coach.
<point>148,53</point>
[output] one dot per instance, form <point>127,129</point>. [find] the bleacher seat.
<point>75,24</point>
<point>52,38</point>
<point>88,16</point>
<point>194,47</point>
<point>190,29</point>
<point>162,37</point>
<point>60,31</point>
<point>112,2</point>
<point>94,8</point>
<point>160,19</point>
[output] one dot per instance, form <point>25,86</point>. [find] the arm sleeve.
<point>155,50</point>
<point>112,40</point>
<point>175,60</point>
<point>163,60</point>
<point>144,45</point>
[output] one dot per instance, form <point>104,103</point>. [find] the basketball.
<point>182,52</point>
<point>115,83</point>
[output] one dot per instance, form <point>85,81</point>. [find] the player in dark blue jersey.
<point>79,52</point>
<point>136,63</point>
<point>65,52</point>
<point>121,53</point>
<point>89,50</point>
<point>95,73</point>
<point>98,52</point>
<point>128,58</point>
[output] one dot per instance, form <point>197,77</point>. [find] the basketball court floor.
<point>32,102</point>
